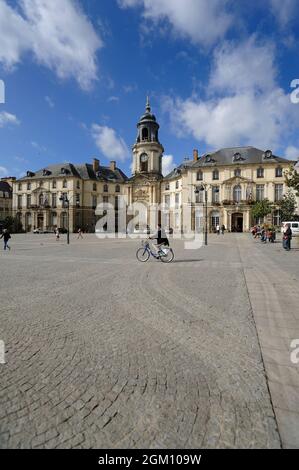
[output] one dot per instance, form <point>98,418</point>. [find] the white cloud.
<point>38,147</point>
<point>114,99</point>
<point>243,106</point>
<point>57,33</point>
<point>49,101</point>
<point>168,164</point>
<point>292,152</point>
<point>7,118</point>
<point>202,21</point>
<point>109,143</point>
<point>3,172</point>
<point>284,10</point>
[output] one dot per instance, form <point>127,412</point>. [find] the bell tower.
<point>147,150</point>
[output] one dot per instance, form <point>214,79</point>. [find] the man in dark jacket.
<point>6,236</point>
<point>161,238</point>
<point>287,237</point>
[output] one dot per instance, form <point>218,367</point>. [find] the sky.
<point>74,76</point>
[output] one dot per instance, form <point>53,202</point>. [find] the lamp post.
<point>204,187</point>
<point>65,200</point>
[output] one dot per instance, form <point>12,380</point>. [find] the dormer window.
<point>208,158</point>
<point>268,154</point>
<point>30,174</point>
<point>237,157</point>
<point>46,172</point>
<point>64,171</point>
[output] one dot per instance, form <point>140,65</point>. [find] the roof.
<point>83,171</point>
<point>230,156</point>
<point>5,188</point>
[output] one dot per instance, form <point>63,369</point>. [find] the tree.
<point>13,224</point>
<point>292,179</point>
<point>261,209</point>
<point>288,206</point>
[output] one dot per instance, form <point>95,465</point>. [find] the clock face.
<point>144,158</point>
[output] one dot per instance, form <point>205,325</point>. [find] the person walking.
<point>287,237</point>
<point>6,236</point>
<point>222,229</point>
<point>218,229</point>
<point>79,234</point>
<point>57,234</point>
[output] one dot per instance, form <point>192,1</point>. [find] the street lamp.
<point>204,187</point>
<point>65,200</point>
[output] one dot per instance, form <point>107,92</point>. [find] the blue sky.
<point>76,74</point>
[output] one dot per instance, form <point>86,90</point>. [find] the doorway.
<point>237,222</point>
<point>40,221</point>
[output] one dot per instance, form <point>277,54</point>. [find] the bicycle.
<point>165,254</point>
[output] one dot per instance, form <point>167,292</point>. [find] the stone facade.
<point>37,196</point>
<point>6,187</point>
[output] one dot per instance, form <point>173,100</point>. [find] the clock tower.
<point>145,184</point>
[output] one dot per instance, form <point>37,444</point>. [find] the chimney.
<point>195,155</point>
<point>96,165</point>
<point>112,165</point>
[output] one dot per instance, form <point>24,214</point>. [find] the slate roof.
<point>5,188</point>
<point>227,156</point>
<point>84,171</point>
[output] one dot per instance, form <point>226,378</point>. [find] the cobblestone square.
<point>103,351</point>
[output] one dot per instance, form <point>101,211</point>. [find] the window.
<point>20,186</point>
<point>167,200</point>
<point>94,202</point>
<point>105,199</point>
<point>278,172</point>
<point>63,220</point>
<point>260,192</point>
<point>177,220</point>
<point>41,199</point>
<point>64,184</point>
<point>278,192</point>
<point>28,186</point>
<point>215,219</point>
<point>116,203</point>
<point>237,172</point>
<point>78,184</point>
<point>28,201</point>
<point>199,176</point>
<point>277,217</point>
<point>105,188</point>
<point>215,194</point>
<point>64,197</point>
<point>41,183</point>
<point>167,187</point>
<point>177,200</point>
<point>117,188</point>
<point>260,173</point>
<point>54,200</point>
<point>177,185</point>
<point>215,175</point>
<point>77,199</point>
<point>94,186</point>
<point>199,195</point>
<point>237,193</point>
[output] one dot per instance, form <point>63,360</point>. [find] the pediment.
<point>237,180</point>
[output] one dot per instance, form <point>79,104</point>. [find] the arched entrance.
<point>237,222</point>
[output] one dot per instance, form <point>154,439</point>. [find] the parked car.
<point>294,228</point>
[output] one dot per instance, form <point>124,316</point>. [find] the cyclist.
<point>161,238</point>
